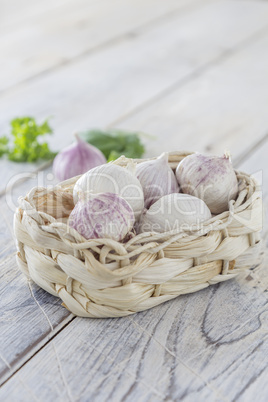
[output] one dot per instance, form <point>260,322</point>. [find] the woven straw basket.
<point>105,278</point>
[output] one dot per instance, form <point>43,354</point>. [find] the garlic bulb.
<point>104,215</point>
<point>210,178</point>
<point>175,211</point>
<point>157,179</point>
<point>111,178</point>
<point>77,159</point>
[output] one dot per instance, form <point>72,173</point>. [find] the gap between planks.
<point>67,324</point>
<point>255,147</point>
<point>136,31</point>
<point>41,346</point>
<point>70,318</point>
<point>47,7</point>
<point>228,54</point>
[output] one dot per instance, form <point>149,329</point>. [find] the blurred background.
<point>190,74</point>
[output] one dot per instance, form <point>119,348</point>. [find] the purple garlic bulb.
<point>210,178</point>
<point>104,215</point>
<point>157,179</point>
<point>77,159</point>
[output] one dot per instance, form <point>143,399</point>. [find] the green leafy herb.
<point>3,145</point>
<point>26,146</point>
<point>114,143</point>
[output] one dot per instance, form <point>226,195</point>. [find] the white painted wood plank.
<point>7,240</point>
<point>104,87</point>
<point>15,13</point>
<point>106,368</point>
<point>138,388</point>
<point>223,108</point>
<point>29,317</point>
<point>210,346</point>
<point>256,164</point>
<point>64,33</point>
<point>207,346</point>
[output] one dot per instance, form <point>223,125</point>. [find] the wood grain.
<point>223,108</point>
<point>15,13</point>
<point>211,345</point>
<point>207,346</point>
<point>183,349</point>
<point>107,87</point>
<point>23,306</point>
<point>73,29</point>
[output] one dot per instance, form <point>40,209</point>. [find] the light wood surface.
<point>71,30</point>
<point>194,75</point>
<point>105,88</point>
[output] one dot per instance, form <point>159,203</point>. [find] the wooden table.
<point>194,74</point>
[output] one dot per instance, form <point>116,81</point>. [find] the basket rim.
<point>157,241</point>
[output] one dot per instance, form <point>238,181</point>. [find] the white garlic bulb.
<point>173,212</point>
<point>210,178</point>
<point>157,179</point>
<point>114,179</point>
<point>104,215</point>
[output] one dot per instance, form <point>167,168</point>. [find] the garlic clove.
<point>113,179</point>
<point>77,159</point>
<point>157,179</point>
<point>104,215</point>
<point>210,178</point>
<point>175,212</point>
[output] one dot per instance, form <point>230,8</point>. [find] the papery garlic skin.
<point>157,179</point>
<point>77,159</point>
<point>113,179</point>
<point>104,215</point>
<point>175,212</point>
<point>210,178</point>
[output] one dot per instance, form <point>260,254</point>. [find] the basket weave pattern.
<point>105,278</point>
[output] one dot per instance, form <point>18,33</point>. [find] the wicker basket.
<point>105,278</point>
